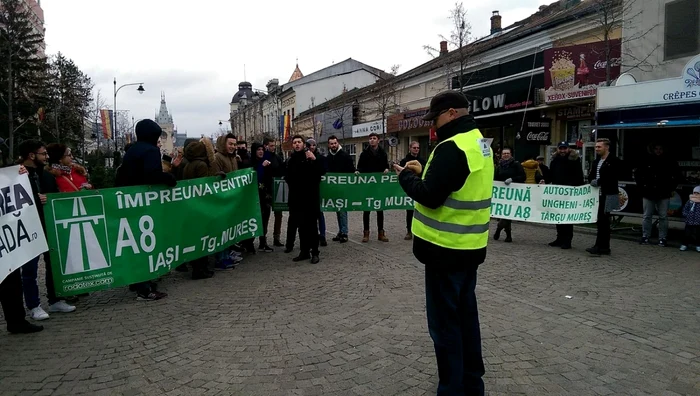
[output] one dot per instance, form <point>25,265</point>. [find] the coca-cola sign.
<point>576,71</point>
<point>538,131</point>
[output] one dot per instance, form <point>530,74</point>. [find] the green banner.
<point>120,236</point>
<point>347,192</point>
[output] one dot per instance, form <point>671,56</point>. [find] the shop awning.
<point>649,124</point>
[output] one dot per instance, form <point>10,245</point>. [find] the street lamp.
<point>140,90</point>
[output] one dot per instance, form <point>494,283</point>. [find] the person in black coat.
<point>262,162</point>
<point>339,161</point>
<point>277,168</point>
<point>604,175</point>
<point>508,171</point>
<point>414,150</point>
<point>142,166</point>
<point>546,173</point>
<point>373,160</point>
<point>303,178</point>
<point>565,170</point>
<point>11,288</point>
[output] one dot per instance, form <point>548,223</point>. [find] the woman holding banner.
<point>508,171</point>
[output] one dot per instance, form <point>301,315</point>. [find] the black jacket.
<point>410,157</point>
<point>340,162</point>
<point>609,175</point>
<point>566,170</point>
<point>373,161</point>
<point>245,161</point>
<point>42,182</point>
<point>142,163</point>
<point>304,181</point>
<point>512,170</point>
<point>448,172</point>
<point>657,177</point>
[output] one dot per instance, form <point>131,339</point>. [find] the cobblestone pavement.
<point>355,324</point>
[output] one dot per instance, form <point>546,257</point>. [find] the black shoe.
<point>508,239</point>
<point>266,249</point>
<point>565,246</point>
<point>662,242</point>
<point>343,238</point>
<point>315,259</point>
<point>202,275</point>
<point>644,241</point>
<point>322,241</point>
<point>497,235</point>
<point>288,250</point>
<point>337,238</point>
<point>596,251</point>
<point>277,243</point>
<point>25,328</point>
<point>181,268</point>
<point>301,257</point>
<point>555,243</point>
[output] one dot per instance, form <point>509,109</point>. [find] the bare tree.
<point>458,40</point>
<point>385,97</point>
<point>608,17</point>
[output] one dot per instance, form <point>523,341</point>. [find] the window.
<point>351,149</point>
<point>682,29</point>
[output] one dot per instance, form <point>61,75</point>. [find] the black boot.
<point>277,242</point>
<point>508,237</point>
<point>497,235</point>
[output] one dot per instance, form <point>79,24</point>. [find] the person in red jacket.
<point>70,177</point>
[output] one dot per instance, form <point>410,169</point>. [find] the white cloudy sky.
<point>195,50</point>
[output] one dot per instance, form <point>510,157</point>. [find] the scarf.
<point>62,168</point>
<point>504,163</point>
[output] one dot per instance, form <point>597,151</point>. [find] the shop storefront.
<point>507,110</point>
<point>407,127</point>
<point>572,77</point>
<point>360,137</point>
<point>636,116</point>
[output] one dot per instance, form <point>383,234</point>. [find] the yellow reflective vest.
<point>462,222</point>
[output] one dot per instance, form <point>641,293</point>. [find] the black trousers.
<point>603,226</point>
<point>409,220</point>
<point>692,234</point>
<point>380,220</point>
<point>12,300</point>
<point>565,233</point>
<point>453,323</point>
<point>307,221</point>
<point>292,226</point>
<point>265,209</point>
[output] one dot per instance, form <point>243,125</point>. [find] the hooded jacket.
<point>197,161</point>
<point>224,162</point>
<point>339,162</point>
<point>183,162</point>
<point>265,173</point>
<point>142,162</point>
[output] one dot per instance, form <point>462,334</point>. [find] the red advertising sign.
<point>576,71</point>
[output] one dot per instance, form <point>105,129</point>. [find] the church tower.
<point>165,120</point>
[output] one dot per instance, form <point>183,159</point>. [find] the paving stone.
<point>355,324</point>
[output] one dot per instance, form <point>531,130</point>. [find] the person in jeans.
<point>691,213</point>
<point>262,163</point>
<point>373,160</point>
<point>414,150</point>
<point>11,293</point>
<point>657,178</point>
<point>604,174</point>
<point>34,157</point>
<point>339,161</point>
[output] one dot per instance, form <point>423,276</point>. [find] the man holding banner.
<point>451,231</point>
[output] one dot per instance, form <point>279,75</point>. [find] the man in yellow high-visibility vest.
<point>451,230</point>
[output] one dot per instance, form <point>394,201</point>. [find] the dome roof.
<point>244,88</point>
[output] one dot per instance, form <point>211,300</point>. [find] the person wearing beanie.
<point>691,213</point>
<point>142,166</point>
